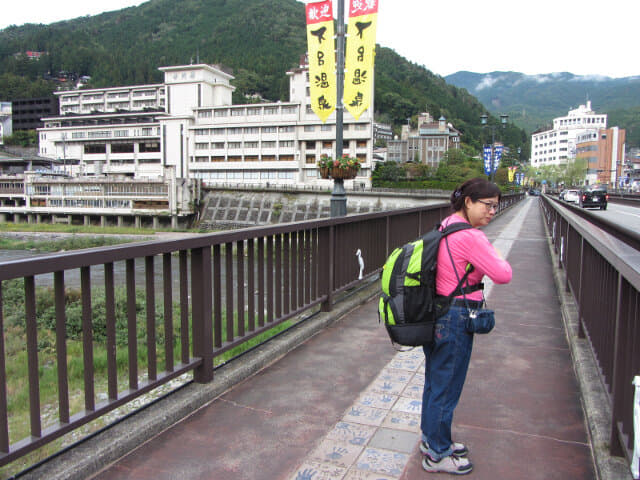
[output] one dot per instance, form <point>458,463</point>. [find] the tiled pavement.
<point>345,405</point>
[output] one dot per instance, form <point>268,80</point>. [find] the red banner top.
<point>318,12</point>
<point>362,7</point>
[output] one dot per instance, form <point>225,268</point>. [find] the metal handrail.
<point>603,275</point>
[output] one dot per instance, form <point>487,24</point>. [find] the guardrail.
<point>231,287</point>
<point>603,275</point>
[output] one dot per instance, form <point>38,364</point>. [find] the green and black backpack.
<point>408,304</point>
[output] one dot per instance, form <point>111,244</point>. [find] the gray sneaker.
<point>451,464</point>
<point>459,449</point>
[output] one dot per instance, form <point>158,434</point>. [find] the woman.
<point>447,358</point>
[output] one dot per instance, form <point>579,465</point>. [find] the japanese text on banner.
<point>322,58</point>
<point>360,55</point>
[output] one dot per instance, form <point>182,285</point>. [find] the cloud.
<point>487,82</point>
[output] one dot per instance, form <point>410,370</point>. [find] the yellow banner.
<point>360,55</point>
<point>322,58</point>
<point>512,173</point>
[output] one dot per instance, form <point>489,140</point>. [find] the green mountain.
<point>258,39</point>
<point>532,101</point>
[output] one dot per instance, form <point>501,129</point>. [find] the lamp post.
<point>484,118</point>
<point>338,195</point>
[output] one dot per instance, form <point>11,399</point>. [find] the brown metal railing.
<point>603,275</point>
<point>214,292</point>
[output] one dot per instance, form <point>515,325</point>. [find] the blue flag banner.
<point>497,155</point>
<point>519,178</point>
<point>487,159</point>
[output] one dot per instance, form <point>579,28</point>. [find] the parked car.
<point>562,193</point>
<point>572,196</point>
<point>594,197</point>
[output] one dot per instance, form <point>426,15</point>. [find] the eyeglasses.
<point>490,205</point>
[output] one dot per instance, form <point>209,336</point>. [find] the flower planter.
<point>324,172</point>
<point>343,173</point>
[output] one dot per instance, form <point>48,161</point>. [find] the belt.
<point>460,302</point>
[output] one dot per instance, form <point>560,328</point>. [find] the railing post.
<point>201,313</point>
<point>581,333</point>
<point>327,270</point>
<point>617,402</point>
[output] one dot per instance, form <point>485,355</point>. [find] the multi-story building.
<point>382,132</point>
<point>189,123</point>
<point>5,121</point>
<point>558,145</point>
<point>27,113</point>
<point>427,145</point>
<point>603,150</point>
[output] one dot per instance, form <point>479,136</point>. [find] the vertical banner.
<point>497,155</point>
<point>360,55</point>
<point>512,173</point>
<point>487,159</point>
<point>322,58</point>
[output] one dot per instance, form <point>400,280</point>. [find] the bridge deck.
<point>520,412</point>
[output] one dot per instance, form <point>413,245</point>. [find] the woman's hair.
<point>475,189</point>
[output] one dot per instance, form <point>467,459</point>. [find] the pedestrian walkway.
<point>346,405</point>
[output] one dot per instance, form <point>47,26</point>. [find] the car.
<point>594,197</point>
<point>562,193</point>
<point>534,193</point>
<point>572,196</point>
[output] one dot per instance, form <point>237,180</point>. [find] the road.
<point>624,215</point>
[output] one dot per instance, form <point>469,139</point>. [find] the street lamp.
<point>493,152</point>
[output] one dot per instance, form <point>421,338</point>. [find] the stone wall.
<point>237,209</point>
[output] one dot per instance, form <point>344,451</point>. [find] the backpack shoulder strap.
<point>455,227</point>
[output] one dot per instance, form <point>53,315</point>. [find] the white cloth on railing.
<point>636,427</point>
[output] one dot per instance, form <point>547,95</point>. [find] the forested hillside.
<point>532,101</point>
<point>259,39</point>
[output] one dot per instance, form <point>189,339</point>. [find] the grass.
<point>65,228</point>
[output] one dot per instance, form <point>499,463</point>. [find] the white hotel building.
<point>558,145</point>
<point>187,128</point>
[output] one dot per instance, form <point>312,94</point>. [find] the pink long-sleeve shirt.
<point>468,246</point>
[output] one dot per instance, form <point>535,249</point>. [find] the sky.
<point>583,37</point>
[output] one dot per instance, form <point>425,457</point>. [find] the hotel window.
<point>287,129</point>
<point>310,159</point>
<point>268,158</point>
<point>234,131</point>
<point>93,149</point>
<point>149,147</point>
<point>309,128</point>
<point>327,144</point>
<point>234,158</point>
<point>288,110</point>
<point>269,130</point>
<point>252,130</point>
<point>204,114</point>
<point>218,145</point>
<point>250,144</point>
<point>222,113</point>
<point>325,128</point>
<point>285,158</point>
<point>270,110</point>
<point>219,131</point>
<point>202,146</point>
<point>286,143</point>
<point>253,111</point>
<point>310,144</point>
<point>251,158</point>
<point>122,148</point>
<point>269,144</point>
<point>235,144</point>
<point>237,112</point>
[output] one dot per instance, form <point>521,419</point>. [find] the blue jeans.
<point>446,364</point>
